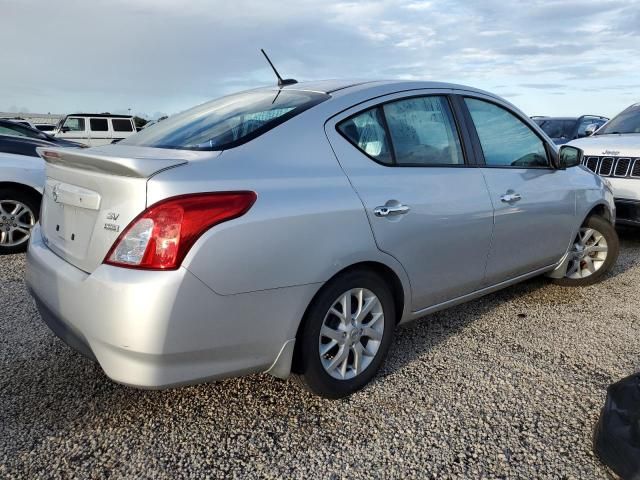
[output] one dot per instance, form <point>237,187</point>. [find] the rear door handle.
<point>390,210</point>
<point>511,197</point>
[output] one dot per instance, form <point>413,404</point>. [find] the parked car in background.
<point>11,128</point>
<point>613,151</point>
<point>45,127</point>
<point>564,129</point>
<point>21,184</point>
<point>95,129</point>
<point>19,120</point>
<point>291,229</point>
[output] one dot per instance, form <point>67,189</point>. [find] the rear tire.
<point>338,354</point>
<point>593,253</point>
<point>19,212</point>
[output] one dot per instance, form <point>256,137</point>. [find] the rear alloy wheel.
<point>592,254</point>
<point>346,334</point>
<point>18,215</point>
<point>348,343</point>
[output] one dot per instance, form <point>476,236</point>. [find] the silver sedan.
<point>290,230</point>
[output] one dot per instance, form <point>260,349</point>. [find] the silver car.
<point>289,230</point>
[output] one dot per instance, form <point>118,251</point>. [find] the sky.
<point>159,57</point>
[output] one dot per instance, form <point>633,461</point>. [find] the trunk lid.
<point>91,195</point>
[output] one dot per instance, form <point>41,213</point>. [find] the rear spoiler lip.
<point>112,165</point>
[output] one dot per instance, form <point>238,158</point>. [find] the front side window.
<point>228,121</point>
<point>74,124</point>
<point>99,125</point>
<point>366,131</point>
<point>505,139</point>
<point>423,132</point>
<point>121,125</point>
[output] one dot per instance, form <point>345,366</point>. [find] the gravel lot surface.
<point>508,386</point>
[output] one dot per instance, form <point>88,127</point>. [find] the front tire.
<point>19,212</point>
<point>593,253</point>
<point>346,334</point>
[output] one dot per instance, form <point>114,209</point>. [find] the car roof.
<point>106,115</point>
<point>556,118</point>
<point>350,85</point>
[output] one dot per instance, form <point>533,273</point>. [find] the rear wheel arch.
<point>21,187</point>
<point>386,274</point>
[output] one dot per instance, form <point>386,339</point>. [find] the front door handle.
<point>511,197</point>
<point>390,210</point>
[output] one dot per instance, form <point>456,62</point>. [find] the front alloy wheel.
<point>588,254</point>
<point>592,254</point>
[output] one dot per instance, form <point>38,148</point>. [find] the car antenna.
<point>281,82</point>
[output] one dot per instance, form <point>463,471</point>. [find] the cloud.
<point>164,55</point>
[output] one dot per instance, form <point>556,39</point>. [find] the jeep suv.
<point>613,151</point>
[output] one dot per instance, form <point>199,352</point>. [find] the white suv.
<point>613,152</point>
<point>94,129</point>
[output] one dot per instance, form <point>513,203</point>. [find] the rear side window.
<point>227,122</point>
<point>505,139</point>
<point>121,125</point>
<point>99,125</point>
<point>417,131</point>
<point>367,132</point>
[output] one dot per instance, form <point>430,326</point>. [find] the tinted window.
<point>12,128</point>
<point>558,128</point>
<point>121,125</point>
<point>506,141</point>
<point>366,131</point>
<point>74,124</point>
<point>228,121</point>
<point>423,132</point>
<point>8,131</point>
<point>99,125</point>
<point>628,121</point>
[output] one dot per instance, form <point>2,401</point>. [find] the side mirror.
<point>65,129</point>
<point>590,130</point>
<point>569,156</point>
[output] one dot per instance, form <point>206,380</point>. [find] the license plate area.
<point>67,226</point>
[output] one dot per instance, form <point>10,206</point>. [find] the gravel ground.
<point>508,386</point>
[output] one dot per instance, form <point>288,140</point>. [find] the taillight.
<point>161,236</point>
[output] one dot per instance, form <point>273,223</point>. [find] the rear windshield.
<point>226,122</point>
<point>627,121</point>
<point>557,128</point>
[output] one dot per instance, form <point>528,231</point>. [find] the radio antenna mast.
<point>281,82</point>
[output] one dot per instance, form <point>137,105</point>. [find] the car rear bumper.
<point>627,212</point>
<point>158,329</point>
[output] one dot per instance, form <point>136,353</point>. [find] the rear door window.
<point>423,132</point>
<point>227,122</point>
<point>411,132</point>
<point>121,125</point>
<point>99,125</point>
